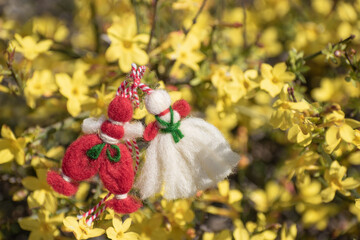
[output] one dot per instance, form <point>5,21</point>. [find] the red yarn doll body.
<point>102,153</point>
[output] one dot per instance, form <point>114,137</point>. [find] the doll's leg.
<point>76,166</point>
<point>118,178</point>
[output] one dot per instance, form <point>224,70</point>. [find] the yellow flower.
<point>43,227</point>
<point>41,84</point>
<point>126,44</point>
<point>301,131</point>
<point>235,83</point>
<point>273,194</point>
<point>318,216</point>
<point>98,106</point>
<point>288,234</point>
<point>283,117</point>
<point>74,89</point>
<point>309,190</point>
<point>43,195</point>
<point>223,235</point>
<point>50,27</point>
<point>10,147</point>
<point>178,212</point>
<point>240,232</point>
<point>118,231</point>
<point>230,197</point>
<point>340,130</point>
<point>273,78</point>
<point>336,182</point>
<point>148,225</point>
<point>185,51</point>
<point>80,228</point>
<point>29,47</point>
<point>300,164</point>
<point>224,121</point>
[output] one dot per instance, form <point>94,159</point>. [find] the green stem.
<point>319,52</point>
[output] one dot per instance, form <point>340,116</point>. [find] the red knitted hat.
<point>120,109</point>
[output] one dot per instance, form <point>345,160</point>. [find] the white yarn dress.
<point>198,161</point>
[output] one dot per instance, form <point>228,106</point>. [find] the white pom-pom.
<point>157,101</point>
<point>133,130</point>
<point>92,125</point>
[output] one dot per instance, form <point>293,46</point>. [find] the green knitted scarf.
<point>171,127</point>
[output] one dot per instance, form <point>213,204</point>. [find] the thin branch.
<point>133,2</point>
<point>186,31</point>
<point>244,24</point>
<point>153,24</point>
<point>96,26</point>
<point>319,52</point>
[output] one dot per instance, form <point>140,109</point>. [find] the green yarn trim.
<point>95,152</point>
<point>117,156</point>
<point>171,127</point>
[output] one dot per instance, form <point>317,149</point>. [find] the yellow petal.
<point>64,81</point>
<point>357,203</point>
<point>352,123</point>
<point>7,133</point>
<point>125,61</point>
<point>279,69</point>
<point>144,38</point>
<point>50,202</point>
<point>350,183</point>
<point>139,56</point>
<point>95,232</point>
<point>117,223</point>
<point>71,224</point>
<point>354,158</point>
<point>131,236</point>
<point>73,106</point>
<point>223,188</point>
<point>266,71</point>
<point>241,234</point>
<point>113,52</point>
<point>234,196</point>
<point>331,136</point>
<point>111,233</point>
<point>31,183</point>
<point>5,155</point>
<point>29,223</point>
<point>43,45</point>
<point>328,194</point>
<point>346,133</point>
<point>126,225</point>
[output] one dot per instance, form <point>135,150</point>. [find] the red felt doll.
<point>100,151</point>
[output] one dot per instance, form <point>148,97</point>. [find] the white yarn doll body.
<point>185,155</point>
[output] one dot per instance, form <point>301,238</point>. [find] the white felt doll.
<point>185,154</point>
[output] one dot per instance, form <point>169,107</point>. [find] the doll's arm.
<point>133,130</point>
<point>182,107</point>
<point>151,131</point>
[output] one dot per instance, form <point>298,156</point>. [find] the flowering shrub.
<point>279,78</point>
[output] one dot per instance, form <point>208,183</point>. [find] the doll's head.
<point>157,101</point>
<point>120,110</point>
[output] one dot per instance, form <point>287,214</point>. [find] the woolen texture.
<point>157,101</point>
<point>112,130</point>
<point>89,155</point>
<point>182,107</point>
<point>92,125</point>
<point>120,109</point>
<point>151,131</point>
<point>198,161</point>
<point>60,185</point>
<point>124,206</point>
